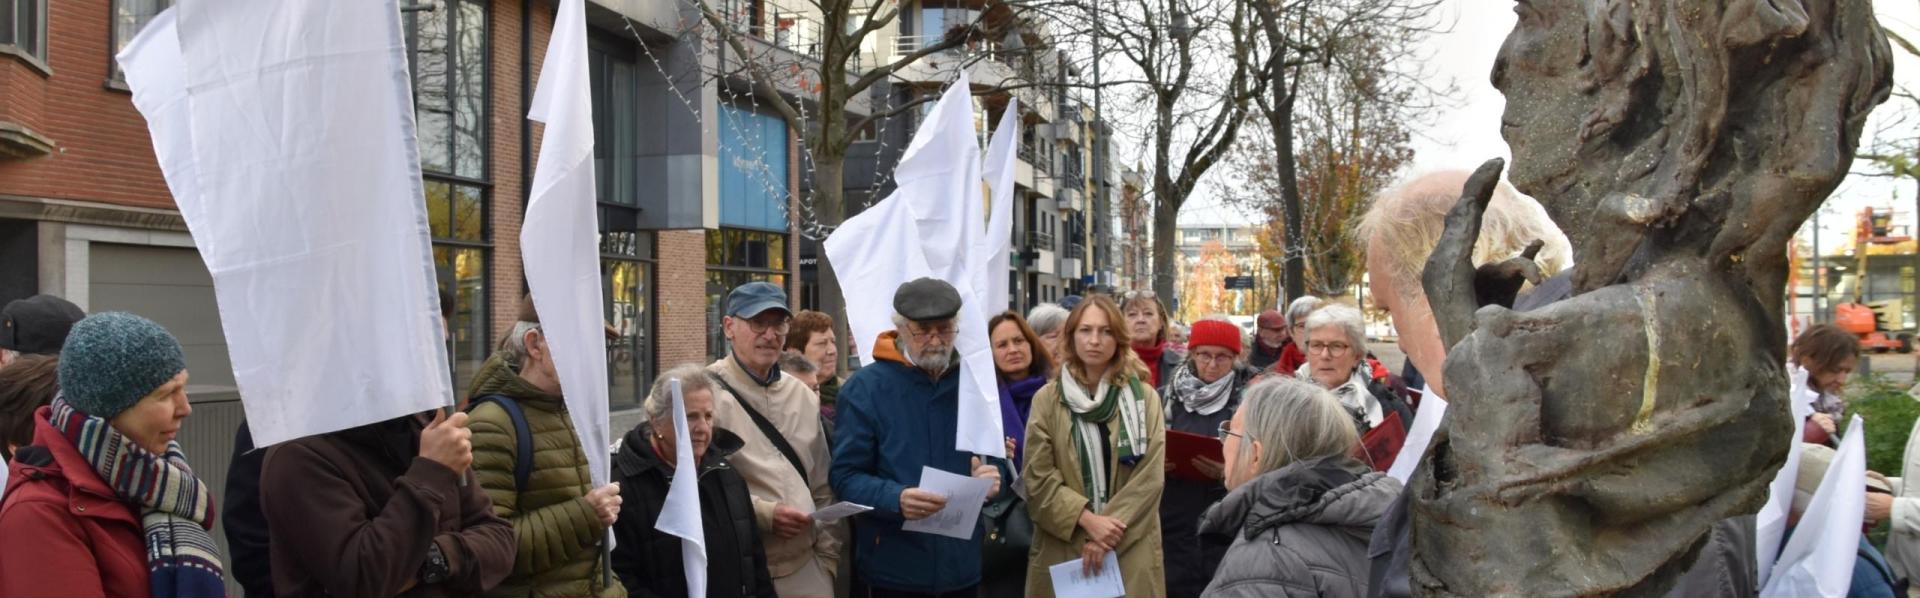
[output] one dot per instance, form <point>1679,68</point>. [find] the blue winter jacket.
<point>892,420</point>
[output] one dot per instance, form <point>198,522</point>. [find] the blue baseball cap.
<point>751,299</point>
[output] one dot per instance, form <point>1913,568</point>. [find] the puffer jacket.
<point>648,560</point>
<point>558,533</point>
<point>1300,530</point>
<point>63,530</point>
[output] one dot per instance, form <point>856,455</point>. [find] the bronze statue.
<point>1591,443</point>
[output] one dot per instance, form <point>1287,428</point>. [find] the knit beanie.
<point>113,359</point>
<point>1214,333</point>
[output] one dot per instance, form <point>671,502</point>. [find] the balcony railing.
<point>1039,240</point>
<point>1076,251</point>
<point>793,32</point>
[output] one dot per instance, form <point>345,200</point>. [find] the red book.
<point>1381,444</point>
<point>1183,448</point>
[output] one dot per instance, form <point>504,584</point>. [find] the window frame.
<point>35,57</point>
<point>116,78</point>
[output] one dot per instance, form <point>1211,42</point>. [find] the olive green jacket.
<point>559,536</point>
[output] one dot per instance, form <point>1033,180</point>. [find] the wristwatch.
<point>436,569</point>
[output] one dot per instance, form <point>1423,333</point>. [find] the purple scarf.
<point>1016,401</point>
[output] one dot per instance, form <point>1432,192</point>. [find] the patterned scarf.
<point>1198,396</point>
<point>176,509</point>
<point>1354,396</point>
<point>1089,415</point>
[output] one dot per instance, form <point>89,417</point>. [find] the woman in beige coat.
<point>1095,454</point>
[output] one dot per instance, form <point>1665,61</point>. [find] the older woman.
<point>87,516</point>
<point>1301,507</point>
<point>1295,353</point>
<point>1146,319</point>
<point>646,559</point>
<point>1336,343</point>
<point>1050,322</point>
<point>1200,395</point>
<point>1095,458</point>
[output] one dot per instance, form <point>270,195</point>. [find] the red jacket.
<point>66,532</point>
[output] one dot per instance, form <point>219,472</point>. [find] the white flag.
<point>1819,557</point>
<point>680,516</point>
<point>1770,526</point>
<point>285,132</point>
<point>997,245</point>
<point>558,241</point>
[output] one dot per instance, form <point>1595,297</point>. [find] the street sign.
<point>1239,283</point>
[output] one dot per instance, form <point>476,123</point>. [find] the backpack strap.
<point>766,428</point>
<point>522,437</point>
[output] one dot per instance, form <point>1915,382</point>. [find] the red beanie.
<point>1214,333</point>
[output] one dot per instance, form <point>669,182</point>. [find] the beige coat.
<point>802,566</point>
<point>1056,496</point>
<point>1903,541</point>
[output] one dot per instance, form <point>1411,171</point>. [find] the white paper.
<point>1070,580</point>
<point>1770,525</point>
<point>1819,558</point>
<point>840,510</point>
<point>285,132</point>
<point>680,516</point>
<point>1419,435</point>
<point>965,495</point>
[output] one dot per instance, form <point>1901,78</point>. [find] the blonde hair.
<point>1405,222</point>
<point>1293,421</point>
<point>1124,362</point>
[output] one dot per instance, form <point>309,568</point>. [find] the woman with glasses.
<point>1095,455</point>
<point>1336,344</point>
<point>1146,324</point>
<point>1300,508</point>
<point>1200,395</point>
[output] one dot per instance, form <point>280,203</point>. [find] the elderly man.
<point>36,325</point>
<point>540,482</point>
<point>647,559</point>
<point>1401,230</point>
<point>785,457</point>
<point>896,417</point>
<point>1270,339</point>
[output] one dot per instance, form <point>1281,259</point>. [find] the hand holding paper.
<point>1070,580</point>
<point>962,498</point>
<point>840,510</point>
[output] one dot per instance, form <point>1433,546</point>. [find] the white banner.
<point>559,241</point>
<point>1819,557</point>
<point>285,132</point>
<point>680,516</point>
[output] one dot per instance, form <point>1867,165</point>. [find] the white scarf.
<point>1353,395</point>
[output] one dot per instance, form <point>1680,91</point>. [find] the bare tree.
<point>1895,150</point>
<point>1362,44</point>
<point>1190,97</point>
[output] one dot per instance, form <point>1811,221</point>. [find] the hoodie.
<point>1300,530</point>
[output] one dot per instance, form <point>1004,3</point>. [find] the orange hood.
<point>887,348</point>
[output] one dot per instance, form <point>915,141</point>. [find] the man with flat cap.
<point>894,418</point>
<point>785,459</point>
<point>36,325</point>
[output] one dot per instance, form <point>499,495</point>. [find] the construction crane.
<point>1869,321</point>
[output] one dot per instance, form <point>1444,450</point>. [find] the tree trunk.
<point>1280,117</point>
<point>1166,215</point>
<point>829,199</point>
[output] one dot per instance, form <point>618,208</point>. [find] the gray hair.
<point>797,363</point>
<point>1347,318</point>
<point>514,349</point>
<point>1301,307</point>
<point>1293,421</point>
<point>693,378</point>
<point>1046,318</point>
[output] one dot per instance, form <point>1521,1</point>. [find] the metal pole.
<point>1819,291</point>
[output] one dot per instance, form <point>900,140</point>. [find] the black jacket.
<point>648,560</point>
<point>1191,559</point>
<point>242,520</point>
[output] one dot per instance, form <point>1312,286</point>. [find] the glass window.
<point>629,288</point>
<point>614,71</point>
<point>447,53</point>
<point>23,25</point>
<point>736,257</point>
<point>129,16</point>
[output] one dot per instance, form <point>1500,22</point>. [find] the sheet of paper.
<point>840,510</point>
<point>965,495</point>
<point>1069,581</point>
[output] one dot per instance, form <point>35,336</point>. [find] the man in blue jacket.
<point>895,417</point>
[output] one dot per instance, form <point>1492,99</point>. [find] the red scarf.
<point>1151,355</point>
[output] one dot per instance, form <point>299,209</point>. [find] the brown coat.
<point>1056,496</point>
<point>352,514</point>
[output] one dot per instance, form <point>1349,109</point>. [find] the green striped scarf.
<point>1129,406</point>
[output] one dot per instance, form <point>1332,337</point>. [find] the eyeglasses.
<point>1331,349</point>
<point>1225,430</point>
<point>1212,358</point>
<point>781,327</point>
<point>946,330</point>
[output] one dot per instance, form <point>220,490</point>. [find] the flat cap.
<point>927,300</point>
<point>37,325</point>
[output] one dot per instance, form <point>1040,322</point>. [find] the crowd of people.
<point>1298,424</point>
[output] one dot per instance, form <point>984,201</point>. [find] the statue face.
<point>1539,71</point>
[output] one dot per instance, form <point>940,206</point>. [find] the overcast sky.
<point>1467,132</point>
